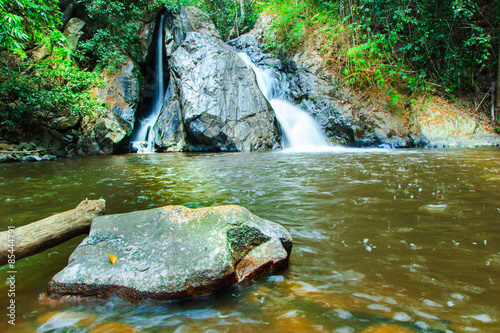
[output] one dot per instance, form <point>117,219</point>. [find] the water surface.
<point>405,237</point>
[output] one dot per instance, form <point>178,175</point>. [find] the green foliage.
<point>25,22</point>
<point>114,33</point>
<point>440,41</point>
<point>29,90</point>
<point>288,30</point>
<point>226,14</point>
<point>399,47</point>
<point>49,86</point>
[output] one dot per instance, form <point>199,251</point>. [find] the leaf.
<point>112,258</point>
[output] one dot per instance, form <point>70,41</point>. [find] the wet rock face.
<point>172,252</point>
<point>169,126</point>
<point>351,119</point>
<point>216,96</point>
<point>300,83</point>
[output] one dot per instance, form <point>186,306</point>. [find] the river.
<point>405,238</point>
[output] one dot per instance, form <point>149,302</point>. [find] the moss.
<point>243,239</point>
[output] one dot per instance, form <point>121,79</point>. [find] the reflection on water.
<point>406,240</point>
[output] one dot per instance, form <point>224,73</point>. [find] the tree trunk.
<point>496,106</point>
<point>497,91</point>
<point>49,232</point>
<point>242,8</point>
<point>493,98</point>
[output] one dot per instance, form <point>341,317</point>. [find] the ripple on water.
<point>315,235</point>
<point>64,320</point>
<point>434,208</point>
<point>409,214</point>
<point>484,318</point>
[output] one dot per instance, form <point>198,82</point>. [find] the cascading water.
<point>300,130</point>
<point>144,138</point>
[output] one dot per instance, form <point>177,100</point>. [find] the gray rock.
<point>218,101</point>
<point>30,158</point>
<point>146,37</point>
<point>121,92</point>
<point>73,32</point>
<point>4,158</point>
<point>188,20</point>
<point>169,128</point>
<point>172,252</point>
<point>64,122</point>
<point>48,158</point>
<point>105,133</point>
<point>102,135</point>
<point>437,123</point>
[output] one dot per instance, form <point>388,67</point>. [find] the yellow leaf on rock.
<point>112,258</point>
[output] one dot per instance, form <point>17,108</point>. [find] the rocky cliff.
<point>213,101</point>
<point>354,118</point>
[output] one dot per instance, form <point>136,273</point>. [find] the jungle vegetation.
<point>398,48</point>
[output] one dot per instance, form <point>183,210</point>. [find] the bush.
<point>114,34</point>
<point>29,89</point>
<point>47,86</point>
<point>399,47</point>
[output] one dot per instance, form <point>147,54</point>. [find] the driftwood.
<point>49,232</point>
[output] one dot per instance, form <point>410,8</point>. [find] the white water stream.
<point>300,130</point>
<point>144,138</point>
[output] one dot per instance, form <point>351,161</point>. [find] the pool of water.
<point>407,240</point>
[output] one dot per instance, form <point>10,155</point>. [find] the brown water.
<point>403,238</point>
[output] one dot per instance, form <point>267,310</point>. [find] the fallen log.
<point>49,232</point>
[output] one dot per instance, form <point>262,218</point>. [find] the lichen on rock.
<point>172,252</point>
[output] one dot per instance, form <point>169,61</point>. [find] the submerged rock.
<point>172,252</point>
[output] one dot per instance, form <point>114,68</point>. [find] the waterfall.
<point>144,138</point>
<point>300,130</point>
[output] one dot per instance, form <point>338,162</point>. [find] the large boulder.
<point>438,123</point>
<point>102,134</point>
<point>105,133</point>
<point>172,252</point>
<point>215,95</point>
